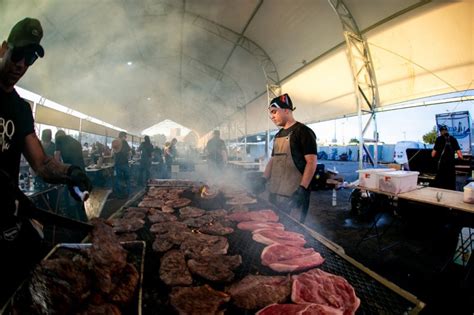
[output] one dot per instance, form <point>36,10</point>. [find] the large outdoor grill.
<point>377,295</point>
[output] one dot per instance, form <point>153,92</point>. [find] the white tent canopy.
<point>198,62</point>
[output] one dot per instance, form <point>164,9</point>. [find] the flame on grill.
<point>204,191</point>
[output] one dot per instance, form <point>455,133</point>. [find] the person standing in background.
<point>122,169</point>
<point>146,149</point>
<point>446,146</point>
<point>291,168</point>
<point>216,152</point>
<point>170,154</point>
<point>49,146</point>
<point>68,149</point>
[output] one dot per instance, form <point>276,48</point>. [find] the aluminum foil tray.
<point>136,255</point>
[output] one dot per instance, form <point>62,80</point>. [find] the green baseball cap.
<point>27,32</point>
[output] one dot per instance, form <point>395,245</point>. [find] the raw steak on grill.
<point>190,212</point>
<point>255,292</point>
<point>299,309</point>
<point>320,287</point>
<point>258,225</point>
<point>278,237</point>
<point>204,245</point>
<point>198,300</point>
<point>159,216</point>
<point>173,269</point>
<point>265,215</point>
<point>216,228</point>
<point>215,268</point>
<point>285,258</point>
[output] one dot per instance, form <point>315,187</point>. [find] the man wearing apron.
<point>293,164</point>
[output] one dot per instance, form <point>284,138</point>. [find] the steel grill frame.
<point>377,295</point>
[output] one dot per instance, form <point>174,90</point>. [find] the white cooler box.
<point>368,177</point>
<point>469,193</point>
<point>397,182</point>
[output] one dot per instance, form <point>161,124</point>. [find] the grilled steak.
<point>258,225</point>
<point>134,214</point>
<point>151,203</point>
<point>197,300</point>
<point>173,269</point>
<point>198,222</point>
<point>298,309</point>
<point>178,203</point>
<point>284,258</point>
<point>123,225</point>
<point>190,212</point>
<point>254,292</point>
<point>159,216</point>
<point>125,284</point>
<point>278,237</point>
<point>167,209</point>
<point>218,213</point>
<point>215,268</point>
<point>162,244</point>
<point>320,287</point>
<point>163,227</point>
<point>204,245</point>
<point>216,228</point>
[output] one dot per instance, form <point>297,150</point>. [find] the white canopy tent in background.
<point>199,62</point>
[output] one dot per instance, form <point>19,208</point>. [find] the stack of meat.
<point>285,251</point>
<point>314,291</point>
<point>97,281</point>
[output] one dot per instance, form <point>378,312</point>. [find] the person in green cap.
<point>20,240</point>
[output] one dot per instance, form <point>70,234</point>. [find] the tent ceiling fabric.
<point>187,67</point>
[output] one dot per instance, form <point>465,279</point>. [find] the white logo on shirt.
<point>7,130</point>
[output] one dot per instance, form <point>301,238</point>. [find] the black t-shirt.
<point>16,122</point>
<point>71,151</point>
<point>302,142</point>
<point>214,148</point>
<point>121,158</point>
<point>445,147</point>
<point>147,150</point>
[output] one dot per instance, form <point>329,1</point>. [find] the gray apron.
<point>284,177</point>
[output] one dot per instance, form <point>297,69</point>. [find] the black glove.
<point>300,197</point>
<point>259,185</point>
<point>77,178</point>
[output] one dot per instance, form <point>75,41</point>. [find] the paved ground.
<point>416,261</point>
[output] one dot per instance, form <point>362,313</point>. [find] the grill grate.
<point>375,297</point>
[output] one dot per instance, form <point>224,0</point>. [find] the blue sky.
<point>393,126</point>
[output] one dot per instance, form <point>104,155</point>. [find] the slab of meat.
<point>285,258</point>
<point>190,212</point>
<point>159,216</point>
<point>298,309</point>
<point>167,209</point>
<point>216,228</point>
<point>257,225</point>
<point>161,244</point>
<point>125,284</point>
<point>198,222</point>
<point>137,209</point>
<point>254,292</point>
<point>198,300</point>
<point>107,255</point>
<point>164,242</point>
<point>163,227</point>
<point>173,269</point>
<point>123,225</point>
<point>178,203</point>
<point>126,237</point>
<point>320,287</point>
<point>204,245</point>
<point>151,203</point>
<point>278,237</point>
<point>218,213</point>
<point>265,215</point>
<point>134,214</point>
<point>215,268</point>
